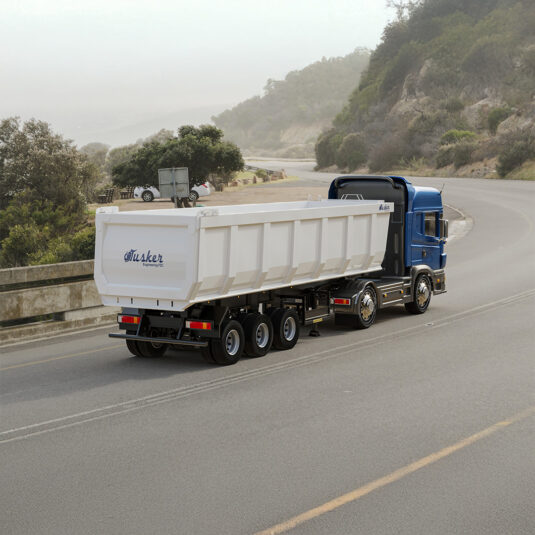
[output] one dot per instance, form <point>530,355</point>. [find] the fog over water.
<point>117,70</point>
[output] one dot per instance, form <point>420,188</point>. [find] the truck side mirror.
<point>444,228</point>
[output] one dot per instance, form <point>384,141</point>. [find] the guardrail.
<point>50,298</point>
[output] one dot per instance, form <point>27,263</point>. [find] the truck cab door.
<point>427,246</point>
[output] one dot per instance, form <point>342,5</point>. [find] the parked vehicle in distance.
<point>149,193</point>
<point>235,280</point>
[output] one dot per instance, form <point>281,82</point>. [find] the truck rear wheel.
<point>229,347</point>
<point>366,308</point>
<point>366,311</point>
<point>422,295</point>
<point>285,328</point>
<point>258,334</point>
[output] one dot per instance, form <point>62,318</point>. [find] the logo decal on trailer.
<point>147,259</point>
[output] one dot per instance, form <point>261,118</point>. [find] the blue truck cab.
<point>414,262</point>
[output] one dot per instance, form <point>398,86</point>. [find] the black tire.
<point>258,331</point>
<point>285,328</point>
<point>229,347</point>
<point>147,196</point>
<point>149,350</point>
<point>422,295</point>
<point>132,347</point>
<point>366,308</point>
<point>207,355</point>
<point>193,196</point>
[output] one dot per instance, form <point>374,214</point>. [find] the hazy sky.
<point>107,70</point>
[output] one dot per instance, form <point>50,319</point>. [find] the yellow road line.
<point>394,476</point>
<point>60,358</point>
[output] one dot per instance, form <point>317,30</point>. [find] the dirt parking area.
<point>288,190</point>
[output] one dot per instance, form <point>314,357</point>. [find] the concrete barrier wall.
<point>23,275</point>
<point>50,290</point>
<point>64,292</point>
<point>26,303</point>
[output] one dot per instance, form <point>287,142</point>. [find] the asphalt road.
<point>421,424</point>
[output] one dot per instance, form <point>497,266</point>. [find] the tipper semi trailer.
<point>235,280</point>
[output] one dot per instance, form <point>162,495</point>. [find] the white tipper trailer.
<point>235,280</point>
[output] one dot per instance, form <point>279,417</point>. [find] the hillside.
<point>451,86</point>
<point>290,115</point>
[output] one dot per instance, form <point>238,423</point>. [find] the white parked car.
<point>149,193</point>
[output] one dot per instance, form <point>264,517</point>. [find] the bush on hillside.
<point>462,153</point>
<point>456,136</point>
<point>352,153</point>
<point>518,148</point>
<point>326,148</point>
<point>495,117</point>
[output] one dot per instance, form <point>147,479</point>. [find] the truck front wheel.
<point>285,328</point>
<point>229,347</point>
<point>422,295</point>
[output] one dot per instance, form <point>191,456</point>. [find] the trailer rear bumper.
<point>173,341</point>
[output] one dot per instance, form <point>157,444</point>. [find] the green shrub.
<point>445,156</point>
<point>352,153</point>
<point>462,153</point>
<point>453,105</point>
<point>21,242</point>
<point>261,173</point>
<point>326,148</point>
<point>58,250</point>
<point>495,117</point>
<point>388,154</point>
<point>514,153</point>
<point>456,136</point>
<point>83,244</point>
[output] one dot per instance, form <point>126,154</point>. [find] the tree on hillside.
<point>201,150</point>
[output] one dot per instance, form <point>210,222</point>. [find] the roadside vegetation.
<point>46,183</point>
<point>450,87</point>
<point>286,120</point>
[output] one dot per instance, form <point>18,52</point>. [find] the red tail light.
<point>128,319</point>
<point>201,325</point>
<point>338,301</point>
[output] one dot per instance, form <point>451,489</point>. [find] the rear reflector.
<point>202,325</point>
<point>338,301</point>
<point>128,319</point>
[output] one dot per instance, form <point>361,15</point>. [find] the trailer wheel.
<point>422,295</point>
<point>229,347</point>
<point>285,328</point>
<point>150,350</point>
<point>258,334</point>
<point>132,347</point>
<point>366,308</point>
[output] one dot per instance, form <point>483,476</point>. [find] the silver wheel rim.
<point>262,335</point>
<point>146,197</point>
<point>422,293</point>
<point>367,306</point>
<point>232,342</point>
<point>289,328</point>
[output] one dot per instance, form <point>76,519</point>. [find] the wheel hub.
<point>232,342</point>
<point>422,293</point>
<point>289,328</point>
<point>367,307</point>
<point>262,335</point>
